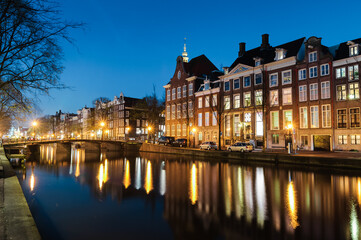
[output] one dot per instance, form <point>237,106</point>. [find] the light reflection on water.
<point>187,198</point>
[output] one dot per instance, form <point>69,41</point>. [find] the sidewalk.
<point>16,221</point>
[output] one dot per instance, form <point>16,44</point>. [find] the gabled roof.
<point>268,54</point>
<point>130,102</point>
<point>343,49</point>
<point>199,66</point>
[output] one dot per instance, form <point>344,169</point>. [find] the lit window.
<point>303,117</point>
<point>200,101</point>
<point>286,77</point>
<point>199,119</point>
<point>314,116</point>
<point>340,72</point>
<point>287,96</point>
<point>258,97</point>
<point>206,119</point>
<point>303,93</point>
<point>287,117</point>
<point>325,90</point>
<point>227,102</point>
<point>341,92</point>
<point>313,91</point>
<point>353,50</point>
<point>275,138</point>
<point>247,99</point>
<point>326,116</point>
<point>206,101</point>
<point>274,98</point>
<point>342,139</point>
<point>236,101</point>
<point>341,118</point>
<point>179,111</point>
<point>355,139</point>
<point>275,120</point>
<point>355,117</point>
<point>173,94</point>
<point>168,95</point>
<point>354,91</point>
<point>214,100</point>
<point>353,73</point>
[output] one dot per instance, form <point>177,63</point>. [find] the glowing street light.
<point>149,130</point>
<point>102,124</point>
<point>194,130</point>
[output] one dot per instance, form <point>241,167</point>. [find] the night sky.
<point>129,46</point>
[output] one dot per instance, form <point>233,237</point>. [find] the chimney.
<point>242,49</point>
<point>265,42</point>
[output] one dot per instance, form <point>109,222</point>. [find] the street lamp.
<point>149,129</point>
<point>102,124</point>
<point>194,136</point>
<point>35,123</point>
<point>289,127</point>
<point>127,129</point>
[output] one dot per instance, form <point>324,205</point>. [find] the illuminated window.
<point>247,99</point>
<point>326,116</point>
<point>168,95</point>
<point>353,50</point>
<point>275,138</point>
<point>354,91</point>
<point>274,98</point>
<point>353,73</point>
<point>275,120</point>
<point>340,72</point>
<point>287,117</point>
<point>355,117</point>
<point>206,119</point>
<point>287,96</point>
<point>200,101</point>
<point>173,94</point>
<point>303,117</point>
<point>341,92</point>
<point>325,90</point>
<point>258,97</point>
<point>314,91</point>
<point>303,93</point>
<point>199,119</point>
<point>341,118</point>
<point>236,101</point>
<point>314,116</point>
<point>342,139</point>
<point>355,139</point>
<point>227,102</point>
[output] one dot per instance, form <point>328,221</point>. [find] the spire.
<point>185,54</point>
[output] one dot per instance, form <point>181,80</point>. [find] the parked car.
<point>180,142</point>
<point>166,140</point>
<point>208,146</point>
<point>241,146</point>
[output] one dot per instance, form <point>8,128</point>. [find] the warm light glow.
<point>149,128</point>
<point>32,182</point>
<point>107,131</point>
<point>126,178</point>
<point>193,190</point>
<point>35,123</point>
<point>292,206</point>
<point>77,169</point>
<point>354,223</point>
<point>102,124</point>
<point>148,185</point>
<point>92,135</point>
<point>103,174</point>
<point>359,190</point>
<point>194,130</point>
<point>289,126</point>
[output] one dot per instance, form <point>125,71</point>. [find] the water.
<point>159,196</point>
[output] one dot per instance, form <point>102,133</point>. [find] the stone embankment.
<point>318,159</point>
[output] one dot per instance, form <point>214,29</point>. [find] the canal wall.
<point>16,221</point>
<point>321,160</point>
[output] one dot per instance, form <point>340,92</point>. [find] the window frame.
<point>314,56</point>
<point>270,79</point>
<point>300,75</point>
<point>283,77</point>
<point>327,67</point>
<point>313,74</point>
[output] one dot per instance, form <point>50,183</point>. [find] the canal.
<point>159,196</point>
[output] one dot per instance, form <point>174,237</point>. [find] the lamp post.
<point>35,123</point>
<point>289,127</point>
<point>194,136</point>
<point>102,124</point>
<point>127,129</point>
<point>149,129</point>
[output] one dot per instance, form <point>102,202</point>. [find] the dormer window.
<point>257,61</point>
<point>353,50</point>
<point>312,57</point>
<point>280,54</point>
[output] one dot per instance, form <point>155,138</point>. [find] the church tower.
<point>185,54</point>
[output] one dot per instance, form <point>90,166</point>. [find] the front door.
<point>321,142</point>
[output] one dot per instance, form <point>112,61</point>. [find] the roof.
<point>129,101</point>
<point>268,54</point>
<point>199,66</point>
<point>343,49</point>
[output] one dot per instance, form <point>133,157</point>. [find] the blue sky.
<point>127,46</point>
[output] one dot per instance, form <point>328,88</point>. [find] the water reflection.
<point>199,199</point>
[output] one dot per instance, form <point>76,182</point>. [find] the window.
<point>312,57</point>
<point>280,54</point>
<point>168,112</point>
<point>314,116</point>
<point>258,97</point>
<point>173,111</point>
<point>173,93</point>
<point>273,80</point>
<point>236,101</point>
<point>214,100</point>
<point>190,89</point>
<point>247,117</point>
<point>275,123</point>
<point>227,102</point>
<point>303,117</point>
<point>287,96</point>
<point>353,50</point>
<point>355,117</point>
<point>325,70</point>
<point>184,112</point>
<point>326,116</point>
<point>325,90</point>
<point>302,74</point>
<point>287,117</point>
<point>179,130</point>
<point>341,92</point>
<point>214,118</point>
<point>190,109</point>
<point>179,92</point>
<point>168,95</point>
<point>247,81</point>
<point>342,139</point>
<point>206,85</point>
<point>275,139</point>
<point>340,72</point>
<point>313,72</point>
<point>259,123</point>
<point>341,118</point>
<point>167,131</point>
<point>226,86</point>
<point>304,140</point>
<point>206,101</point>
<point>257,62</point>
<point>184,131</point>
<point>200,136</point>
<point>236,84</point>
<point>354,91</point>
<point>274,98</point>
<point>200,101</point>
<point>236,125</point>
<point>355,139</point>
<point>173,130</point>
<point>258,78</point>
<point>303,93</point>
<point>200,119</point>
<point>179,111</point>
<point>286,77</point>
<point>206,119</point>
<point>247,99</point>
<point>185,91</point>
<point>314,91</point>
<point>353,72</point>
<point>227,122</point>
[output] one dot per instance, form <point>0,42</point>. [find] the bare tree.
<point>30,53</point>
